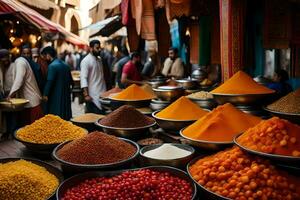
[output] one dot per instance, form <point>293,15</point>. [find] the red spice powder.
<point>96,148</point>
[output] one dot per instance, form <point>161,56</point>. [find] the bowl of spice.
<point>275,138</point>
<point>241,89</point>
<point>97,150</point>
<point>14,104</point>
<point>87,120</point>
<point>43,135</point>
<point>24,178</point>
<point>133,95</point>
<point>287,107</point>
<point>169,93</point>
<point>157,182</point>
<point>203,99</point>
<point>178,115</point>
<point>168,154</point>
<point>126,122</point>
<point>234,174</point>
<point>217,129</point>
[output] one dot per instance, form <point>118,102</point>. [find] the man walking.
<point>57,92</point>
<point>92,78</point>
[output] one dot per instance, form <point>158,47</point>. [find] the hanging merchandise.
<point>147,21</point>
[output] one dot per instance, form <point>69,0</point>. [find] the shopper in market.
<point>25,86</point>
<point>280,84</point>
<point>173,65</point>
<point>118,68</point>
<point>92,78</point>
<point>130,72</point>
<point>57,92</point>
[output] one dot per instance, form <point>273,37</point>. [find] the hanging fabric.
<point>124,11</point>
<point>148,21</point>
<point>178,9</point>
<point>136,13</point>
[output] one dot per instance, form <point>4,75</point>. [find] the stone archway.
<point>72,21</point>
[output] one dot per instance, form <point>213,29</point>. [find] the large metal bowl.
<point>203,192</point>
<point>274,157</point>
<point>188,83</point>
<point>105,103</point>
<point>242,99</point>
<point>89,126</point>
<point>178,163</point>
<point>292,117</point>
<point>157,104</point>
<point>12,107</point>
<point>155,83</point>
<point>115,104</point>
<point>204,103</point>
<point>168,93</point>
<point>126,132</point>
<point>75,180</point>
<point>171,126</point>
<point>71,168</point>
<point>36,148</point>
<point>208,145</point>
<point>51,169</point>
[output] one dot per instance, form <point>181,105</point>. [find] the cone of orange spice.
<point>222,124</point>
<point>274,136</point>
<point>133,92</point>
<point>237,175</point>
<point>241,83</point>
<point>182,109</point>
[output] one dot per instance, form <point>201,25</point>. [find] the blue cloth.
<point>58,89</point>
<point>281,89</point>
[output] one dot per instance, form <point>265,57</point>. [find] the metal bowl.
<point>155,83</point>
<point>89,126</point>
<point>75,180</point>
<point>126,132</point>
<point>115,104</point>
<point>146,111</point>
<point>293,117</point>
<point>205,103</point>
<point>178,163</point>
<point>208,145</point>
<point>170,125</point>
<point>275,157</point>
<point>188,83</point>
<point>242,99</point>
<point>71,168</point>
<point>203,192</point>
<point>36,148</point>
<point>157,104</point>
<point>12,107</point>
<point>105,103</point>
<point>51,169</point>
<point>169,93</point>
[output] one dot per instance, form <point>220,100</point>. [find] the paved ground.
<point>77,109</point>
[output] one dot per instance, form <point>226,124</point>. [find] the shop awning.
<point>44,24</point>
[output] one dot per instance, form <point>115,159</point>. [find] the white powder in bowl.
<point>167,152</point>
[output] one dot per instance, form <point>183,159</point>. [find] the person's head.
<point>26,51</point>
<point>173,53</point>
<point>280,76</point>
<point>4,57</point>
<point>35,54</point>
<point>95,47</point>
<point>49,53</point>
<point>135,57</point>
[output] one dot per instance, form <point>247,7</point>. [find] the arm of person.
<point>50,81</point>
<point>126,81</point>
<point>19,77</point>
<point>84,80</point>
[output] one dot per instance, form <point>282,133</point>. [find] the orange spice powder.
<point>133,92</point>
<point>221,124</point>
<point>182,109</point>
<point>241,83</point>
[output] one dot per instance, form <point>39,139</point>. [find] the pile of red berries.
<point>132,185</point>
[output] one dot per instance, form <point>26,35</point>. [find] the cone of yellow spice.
<point>241,83</point>
<point>220,125</point>
<point>182,109</point>
<point>133,93</point>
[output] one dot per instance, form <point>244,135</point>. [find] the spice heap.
<point>274,136</point>
<point>126,117</point>
<point>110,92</point>
<point>87,118</point>
<point>21,180</point>
<point>222,124</point>
<point>139,184</point>
<point>241,83</point>
<point>182,109</point>
<point>133,92</point>
<point>50,129</point>
<point>237,175</point>
<point>201,95</point>
<point>287,104</point>
<point>96,148</point>
<point>167,152</point>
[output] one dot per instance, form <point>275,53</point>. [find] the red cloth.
<point>29,115</point>
<point>124,9</point>
<point>131,71</point>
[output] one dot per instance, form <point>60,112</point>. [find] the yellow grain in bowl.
<point>50,129</point>
<point>87,118</point>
